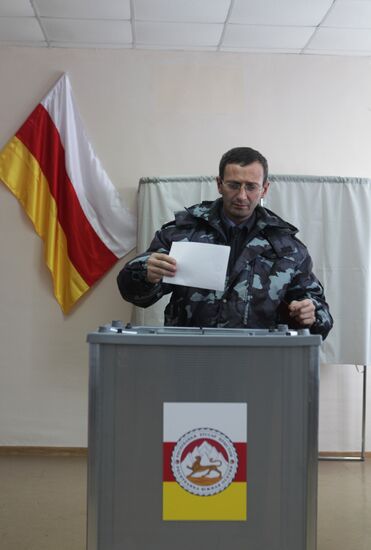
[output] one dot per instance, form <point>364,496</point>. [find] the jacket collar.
<point>210,212</point>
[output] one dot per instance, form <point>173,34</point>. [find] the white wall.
<point>148,114</point>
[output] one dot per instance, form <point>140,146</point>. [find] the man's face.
<point>241,189</point>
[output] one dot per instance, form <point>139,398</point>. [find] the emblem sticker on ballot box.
<point>205,456</point>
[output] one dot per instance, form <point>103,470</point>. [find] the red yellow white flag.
<point>50,166</point>
<point>204,461</point>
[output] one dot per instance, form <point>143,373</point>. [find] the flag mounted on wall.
<point>50,166</point>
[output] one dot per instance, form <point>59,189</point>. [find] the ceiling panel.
<point>355,14</point>
<point>202,11</point>
<point>250,36</point>
<point>20,29</point>
<point>178,34</point>
<point>17,8</point>
<point>341,40</point>
<point>84,9</point>
<point>341,27</point>
<point>282,12</point>
<point>87,31</point>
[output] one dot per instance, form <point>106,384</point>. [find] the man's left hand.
<point>303,312</point>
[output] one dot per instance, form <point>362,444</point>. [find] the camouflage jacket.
<point>273,269</point>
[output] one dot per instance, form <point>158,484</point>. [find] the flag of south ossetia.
<point>205,461</point>
<point>50,166</point>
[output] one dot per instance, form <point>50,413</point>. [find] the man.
<point>269,277</point>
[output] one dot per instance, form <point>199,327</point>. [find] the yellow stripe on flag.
<point>229,505</point>
<point>21,173</point>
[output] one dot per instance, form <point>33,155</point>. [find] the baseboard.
<point>25,450</point>
<point>339,454</point>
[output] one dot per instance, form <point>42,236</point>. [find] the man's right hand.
<point>160,265</point>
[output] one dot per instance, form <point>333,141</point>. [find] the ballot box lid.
<point>118,333</point>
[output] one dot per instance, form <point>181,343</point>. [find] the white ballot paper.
<point>199,265</point>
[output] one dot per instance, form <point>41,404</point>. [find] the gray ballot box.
<point>202,438</point>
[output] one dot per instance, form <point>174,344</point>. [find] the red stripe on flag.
<point>87,252</point>
<point>167,452</point>
<point>241,474</point>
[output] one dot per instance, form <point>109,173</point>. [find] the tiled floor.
<point>43,504</point>
<point>344,505</point>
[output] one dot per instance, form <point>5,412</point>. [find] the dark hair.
<point>243,156</point>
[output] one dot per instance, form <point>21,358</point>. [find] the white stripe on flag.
<point>99,199</point>
<point>229,418</point>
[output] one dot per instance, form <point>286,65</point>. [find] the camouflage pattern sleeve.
<point>132,281</point>
<point>306,285</point>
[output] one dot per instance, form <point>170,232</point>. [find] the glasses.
<point>235,186</point>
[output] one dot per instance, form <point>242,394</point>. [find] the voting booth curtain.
<point>333,218</point>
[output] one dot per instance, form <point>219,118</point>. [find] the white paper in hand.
<point>199,265</point>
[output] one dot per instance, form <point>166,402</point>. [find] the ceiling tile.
<point>341,40</point>
<point>92,45</point>
<point>285,12</point>
<point>341,27</point>
<point>343,53</point>
<point>178,34</point>
<point>213,11</point>
<point>20,29</point>
<point>87,31</point>
<point>349,14</point>
<point>250,36</point>
<point>84,9</point>
<point>246,49</point>
<point>15,8</point>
